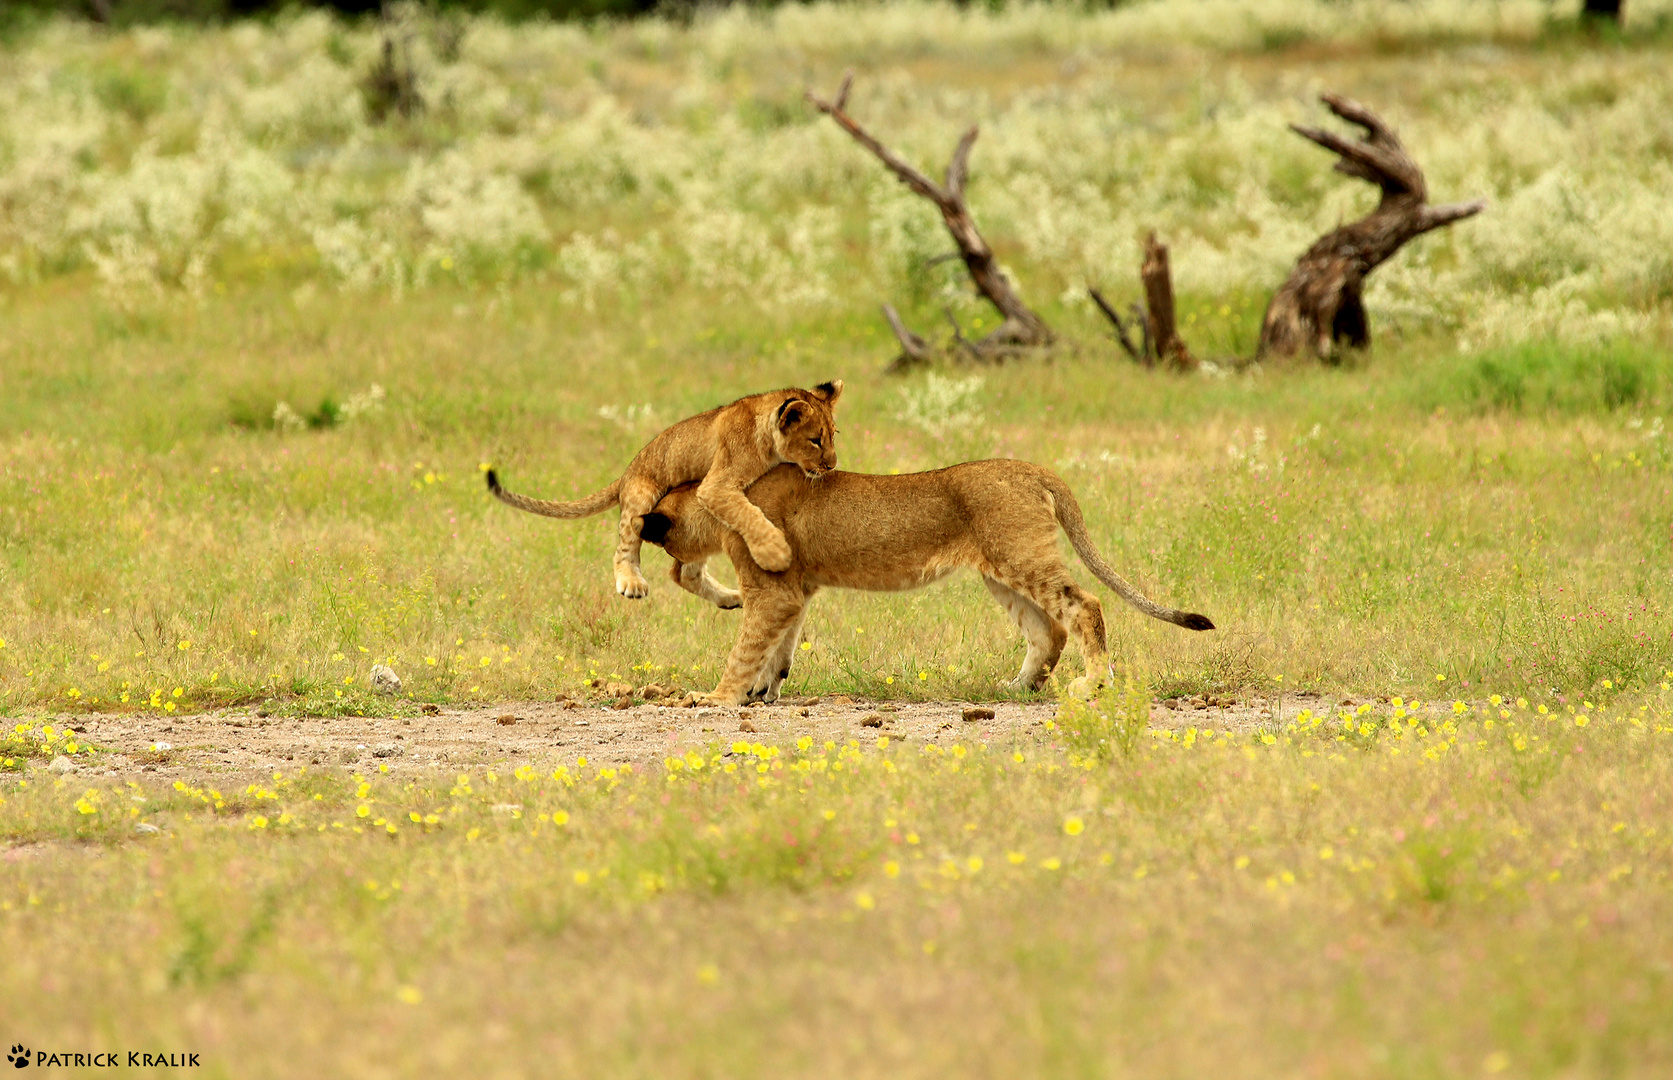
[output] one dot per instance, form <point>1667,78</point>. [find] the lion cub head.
<point>680,526</point>
<point>804,429</point>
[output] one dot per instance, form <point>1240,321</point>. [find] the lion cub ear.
<point>790,413</point>
<point>828,392</point>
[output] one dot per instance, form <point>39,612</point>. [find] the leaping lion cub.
<point>727,449</point>
<point>889,533</point>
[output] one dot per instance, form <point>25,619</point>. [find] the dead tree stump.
<point>1158,297</point>
<point>391,86</point>
<point>1157,325</point>
<point>1320,304</point>
<point>1606,10</point>
<point>1019,327</point>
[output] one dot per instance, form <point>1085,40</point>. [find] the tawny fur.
<point>890,533</point>
<point>722,451</point>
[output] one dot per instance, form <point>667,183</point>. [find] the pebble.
<point>61,764</point>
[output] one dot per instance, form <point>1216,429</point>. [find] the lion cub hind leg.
<point>767,617</point>
<point>638,496</point>
<point>695,579</point>
<point>1045,635</point>
<point>1065,602</point>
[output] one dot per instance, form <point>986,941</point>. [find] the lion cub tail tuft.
<point>1067,510</point>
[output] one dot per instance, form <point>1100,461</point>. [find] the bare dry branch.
<point>1019,326</point>
<point>914,350</point>
<point>1120,327</point>
<point>842,91</point>
<point>963,342</point>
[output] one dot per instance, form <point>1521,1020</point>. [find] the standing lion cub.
<point>891,533</point>
<point>727,449</point>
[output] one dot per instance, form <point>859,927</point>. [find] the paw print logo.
<point>19,1056</point>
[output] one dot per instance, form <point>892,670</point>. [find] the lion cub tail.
<point>1068,515</point>
<point>595,503</point>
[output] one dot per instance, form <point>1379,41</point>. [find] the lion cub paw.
<point>1085,688</point>
<point>773,554</point>
<point>631,583</point>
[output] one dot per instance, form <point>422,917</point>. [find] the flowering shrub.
<point>170,160</point>
<point>46,741</point>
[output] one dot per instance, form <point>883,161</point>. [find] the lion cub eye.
<point>815,441</point>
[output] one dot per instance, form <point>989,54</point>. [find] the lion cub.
<point>727,449</point>
<point>890,533</point>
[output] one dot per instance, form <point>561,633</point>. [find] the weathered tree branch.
<point>1120,327</point>
<point>1147,345</point>
<point>1320,304</point>
<point>914,350</point>
<point>1019,326</point>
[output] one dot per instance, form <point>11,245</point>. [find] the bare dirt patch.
<point>237,742</point>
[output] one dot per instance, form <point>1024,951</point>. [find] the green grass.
<point>1394,891</point>
<point>257,350</point>
<point>1502,518</point>
<point>1539,378</point>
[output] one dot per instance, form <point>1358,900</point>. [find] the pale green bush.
<point>624,160</point>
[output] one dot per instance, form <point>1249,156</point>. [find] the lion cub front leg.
<point>771,678</point>
<point>722,494</point>
<point>767,617</point>
<point>637,500</point>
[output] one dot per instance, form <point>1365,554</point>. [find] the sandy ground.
<point>237,742</point>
